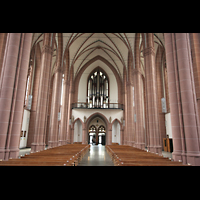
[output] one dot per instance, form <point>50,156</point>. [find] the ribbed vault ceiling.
<point>83,47</point>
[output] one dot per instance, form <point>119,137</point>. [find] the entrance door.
<point>102,134</point>
<point>103,140</point>
<point>97,136</point>
<point>92,135</point>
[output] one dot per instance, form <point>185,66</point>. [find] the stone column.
<point>160,92</point>
<point>68,136</point>
<point>65,99</point>
<point>84,133</point>
<point>43,94</point>
<point>12,91</point>
<point>130,102</point>
<point>183,106</point>
<point>121,134</point>
<point>72,132</point>
<point>138,119</point>
<point>34,93</point>
<point>3,38</point>
<point>195,47</point>
<point>56,96</point>
<point>124,93</point>
<point>151,97</point>
<point>109,136</point>
<point>64,108</point>
<point>97,137</point>
<point>179,147</point>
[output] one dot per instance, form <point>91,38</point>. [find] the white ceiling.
<point>85,46</point>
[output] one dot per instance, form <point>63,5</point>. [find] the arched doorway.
<point>91,134</point>
<point>116,132</point>
<point>78,131</point>
<point>97,125</point>
<point>102,135</point>
<point>97,134</point>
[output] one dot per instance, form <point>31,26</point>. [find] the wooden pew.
<point>66,155</point>
<point>124,155</point>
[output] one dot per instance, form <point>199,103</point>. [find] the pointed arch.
<point>78,130</point>
<point>77,120</point>
<point>105,120</point>
<point>117,121</point>
<point>81,71</point>
<point>97,114</point>
<point>116,131</point>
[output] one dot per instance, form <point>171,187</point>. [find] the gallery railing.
<point>84,105</point>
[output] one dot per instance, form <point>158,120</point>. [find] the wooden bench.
<point>66,155</point>
<point>115,143</point>
<point>124,155</point>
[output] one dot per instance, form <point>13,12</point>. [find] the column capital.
<point>47,49</point>
<point>129,83</point>
<point>135,71</point>
<point>58,69</point>
<point>149,50</point>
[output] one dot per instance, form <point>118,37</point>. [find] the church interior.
<point>108,98</point>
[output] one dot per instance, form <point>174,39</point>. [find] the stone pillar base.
<point>53,143</point>
<point>140,145</point>
<point>2,154</point>
<point>62,142</point>
<point>185,158</point>
<point>10,153</point>
<point>14,153</point>
<point>155,149</point>
<point>193,159</point>
<point>179,156</point>
<point>128,143</point>
<point>6,154</point>
<point>37,147</point>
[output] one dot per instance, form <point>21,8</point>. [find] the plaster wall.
<point>78,131</point>
<point>100,122</point>
<point>113,113</point>
<point>116,132</point>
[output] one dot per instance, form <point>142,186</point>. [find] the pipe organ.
<point>98,90</point>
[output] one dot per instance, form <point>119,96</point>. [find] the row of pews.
<point>123,155</point>
<point>66,155</point>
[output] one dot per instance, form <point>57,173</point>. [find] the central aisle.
<point>96,156</point>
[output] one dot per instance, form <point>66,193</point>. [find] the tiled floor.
<point>167,154</point>
<point>24,151</point>
<point>96,156</point>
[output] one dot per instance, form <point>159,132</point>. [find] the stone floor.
<point>96,156</point>
<point>24,151</point>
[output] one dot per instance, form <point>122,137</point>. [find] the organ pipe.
<point>98,89</point>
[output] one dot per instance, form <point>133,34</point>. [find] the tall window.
<point>98,90</point>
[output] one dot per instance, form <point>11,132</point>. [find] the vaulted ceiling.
<point>83,47</point>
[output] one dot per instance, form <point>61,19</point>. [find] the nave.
<point>90,155</point>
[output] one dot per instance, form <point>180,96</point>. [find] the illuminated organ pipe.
<point>97,90</point>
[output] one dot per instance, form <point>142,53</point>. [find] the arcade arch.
<point>101,127</point>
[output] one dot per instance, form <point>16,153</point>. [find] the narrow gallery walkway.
<point>96,156</point>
